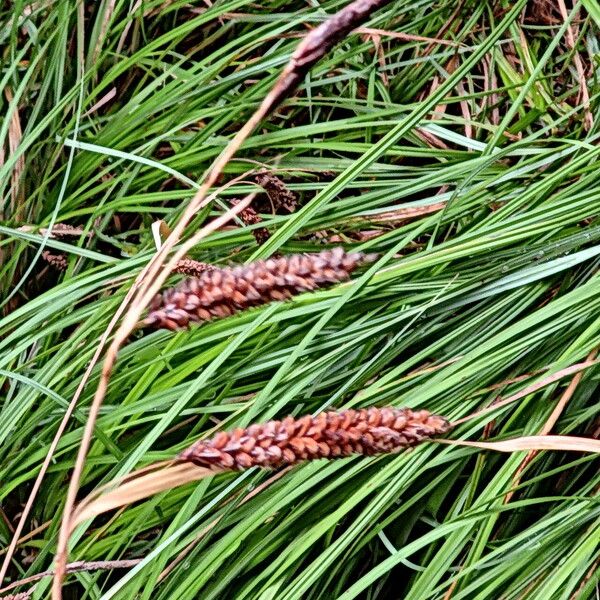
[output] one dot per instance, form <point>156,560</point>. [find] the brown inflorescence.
<point>250,217</point>
<point>58,261</point>
<point>189,266</point>
<point>65,230</point>
<point>279,194</point>
<point>328,435</point>
<point>221,292</point>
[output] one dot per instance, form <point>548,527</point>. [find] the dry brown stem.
<point>15,134</point>
<point>549,424</point>
<point>583,96</point>
<point>147,282</point>
<point>530,389</point>
<point>315,45</point>
<point>74,567</point>
<point>401,215</point>
<point>407,37</point>
<point>57,231</point>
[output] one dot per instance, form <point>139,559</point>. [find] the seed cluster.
<point>250,217</point>
<point>279,194</point>
<point>223,291</point>
<point>58,261</point>
<point>189,266</point>
<point>328,435</point>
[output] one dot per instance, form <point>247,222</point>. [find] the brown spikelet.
<point>221,292</point>
<point>58,261</point>
<point>251,217</point>
<point>261,235</point>
<point>542,12</point>
<point>328,435</point>
<point>65,230</point>
<point>189,266</point>
<point>279,194</point>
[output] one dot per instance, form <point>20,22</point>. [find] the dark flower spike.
<point>328,435</point>
<point>221,292</point>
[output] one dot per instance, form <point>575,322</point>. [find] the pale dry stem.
<point>549,424</point>
<point>309,51</point>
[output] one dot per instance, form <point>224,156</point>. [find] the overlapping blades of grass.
<point>491,292</point>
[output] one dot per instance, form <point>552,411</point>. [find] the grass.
<point>112,112</point>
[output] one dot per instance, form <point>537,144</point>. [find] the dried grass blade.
<point>565,443</point>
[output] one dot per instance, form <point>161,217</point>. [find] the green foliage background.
<point>113,110</point>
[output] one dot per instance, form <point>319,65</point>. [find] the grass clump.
<point>458,142</point>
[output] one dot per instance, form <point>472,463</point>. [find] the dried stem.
<point>549,424</point>
<point>76,567</point>
<point>400,215</point>
<point>584,95</point>
<point>530,389</point>
<point>309,51</point>
<point>59,230</point>
<point>144,295</point>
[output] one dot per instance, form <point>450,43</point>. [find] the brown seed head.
<point>328,435</point>
<point>221,292</point>
<point>65,230</point>
<point>58,261</point>
<point>279,194</point>
<point>250,217</point>
<point>189,266</point>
